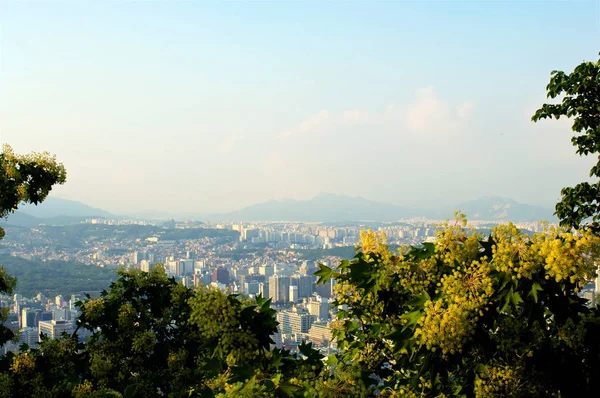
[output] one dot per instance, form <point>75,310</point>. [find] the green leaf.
<point>130,391</point>
<point>535,288</point>
<point>325,273</point>
<point>412,318</point>
<point>419,300</point>
<point>516,298</point>
<point>287,389</point>
<point>332,360</point>
<point>241,373</point>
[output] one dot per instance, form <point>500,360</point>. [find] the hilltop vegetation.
<point>56,277</point>
<point>76,235</point>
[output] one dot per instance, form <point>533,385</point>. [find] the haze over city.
<point>212,107</point>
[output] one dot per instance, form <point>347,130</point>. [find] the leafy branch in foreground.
<point>580,92</point>
<point>471,315</point>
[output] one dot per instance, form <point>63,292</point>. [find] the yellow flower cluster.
<point>513,252</point>
<point>22,364</point>
<point>501,381</point>
<point>570,256</point>
<point>373,243</point>
<point>565,256</point>
<point>462,278</point>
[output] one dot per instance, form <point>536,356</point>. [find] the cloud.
<point>315,123</point>
<point>427,114</point>
<point>426,111</point>
<point>355,116</point>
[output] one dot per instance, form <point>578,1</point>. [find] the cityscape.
<point>299,199</point>
<point>276,260</point>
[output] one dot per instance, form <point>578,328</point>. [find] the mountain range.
<point>324,207</point>
<point>55,211</point>
<point>327,207</point>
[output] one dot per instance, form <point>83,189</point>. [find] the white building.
<point>54,329</point>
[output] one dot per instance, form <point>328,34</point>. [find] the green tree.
<point>580,92</point>
<point>152,336</point>
<point>471,316</point>
<point>23,179</point>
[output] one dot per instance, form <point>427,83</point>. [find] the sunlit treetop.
<point>27,178</point>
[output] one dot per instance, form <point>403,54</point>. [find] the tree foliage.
<point>152,336</point>
<point>471,316</point>
<point>52,278</point>
<point>23,179</point>
<point>580,92</point>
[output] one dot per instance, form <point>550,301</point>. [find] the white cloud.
<point>355,116</point>
<point>426,111</point>
<point>427,115</point>
<point>315,123</point>
<point>432,115</point>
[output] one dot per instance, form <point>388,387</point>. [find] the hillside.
<point>331,208</point>
<point>324,207</point>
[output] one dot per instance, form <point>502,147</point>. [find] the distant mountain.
<point>21,219</point>
<point>500,209</point>
<point>324,207</point>
<point>327,207</point>
<point>56,207</point>
<point>54,211</point>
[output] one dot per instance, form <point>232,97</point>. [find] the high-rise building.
<point>28,318</point>
<point>279,289</point>
<point>145,265</point>
<point>295,321</point>
<point>293,294</point>
<point>305,285</point>
<point>29,336</point>
<point>54,329</point>
<point>250,287</point>
<point>263,290</point>
<point>185,266</point>
<point>326,289</point>
<point>319,308</point>
<point>61,314</point>
<point>266,270</point>
<point>320,334</point>
<point>221,275</point>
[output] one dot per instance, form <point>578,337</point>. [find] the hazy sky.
<point>198,106</point>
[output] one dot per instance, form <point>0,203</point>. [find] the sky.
<point>207,107</point>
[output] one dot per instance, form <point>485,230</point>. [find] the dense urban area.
<point>273,259</point>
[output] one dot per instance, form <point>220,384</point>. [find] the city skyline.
<point>214,107</point>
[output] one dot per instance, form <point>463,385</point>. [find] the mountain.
<point>54,211</point>
<point>493,208</point>
<point>327,207</point>
<point>56,207</point>
<point>324,207</point>
<point>21,219</point>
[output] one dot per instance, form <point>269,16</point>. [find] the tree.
<point>152,336</point>
<point>471,316</point>
<point>580,91</point>
<point>23,179</point>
